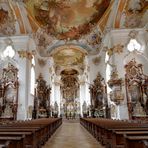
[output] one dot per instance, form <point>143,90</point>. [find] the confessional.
<point>136,90</point>
<point>41,99</point>
<point>9,93</point>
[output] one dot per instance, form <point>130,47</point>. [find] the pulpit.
<point>115,83</point>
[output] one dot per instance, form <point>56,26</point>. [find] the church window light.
<point>133,45</point>
<point>9,52</point>
<point>32,82</point>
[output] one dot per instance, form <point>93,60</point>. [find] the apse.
<point>70,103</point>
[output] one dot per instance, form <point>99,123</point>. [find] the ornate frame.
<point>9,93</point>
<point>98,94</point>
<point>116,83</point>
<point>41,99</point>
<point>134,79</point>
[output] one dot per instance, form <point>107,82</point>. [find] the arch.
<point>69,72</point>
<point>70,46</point>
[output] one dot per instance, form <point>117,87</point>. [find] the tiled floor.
<point>72,135</point>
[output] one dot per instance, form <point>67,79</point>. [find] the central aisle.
<point>72,135</point>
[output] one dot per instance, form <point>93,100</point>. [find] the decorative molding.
<point>115,49</point>
<point>26,54</point>
<point>115,83</point>
<point>96,60</point>
<point>136,89</point>
<point>133,34</point>
<point>42,62</point>
<point>94,39</point>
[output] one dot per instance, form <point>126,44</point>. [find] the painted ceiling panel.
<point>67,19</point>
<point>69,57</point>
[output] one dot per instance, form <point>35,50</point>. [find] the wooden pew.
<point>135,141</point>
<point>29,140</point>
<point>36,132</point>
<point>15,142</point>
<point>111,132</point>
<point>118,137</point>
<point>6,144</point>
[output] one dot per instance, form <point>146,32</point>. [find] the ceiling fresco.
<point>82,23</point>
<point>131,14</point>
<point>69,57</point>
<point>69,72</point>
<point>67,19</point>
<point>135,13</point>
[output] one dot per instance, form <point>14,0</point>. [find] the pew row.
<point>116,133</point>
<point>28,134</point>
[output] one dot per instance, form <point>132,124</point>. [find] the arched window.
<point>133,45</point>
<point>32,82</point>
<point>108,71</point>
<point>9,52</point>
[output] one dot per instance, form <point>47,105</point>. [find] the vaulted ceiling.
<point>67,19</point>
<point>81,23</point>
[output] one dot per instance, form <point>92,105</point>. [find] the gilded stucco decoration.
<point>42,62</point>
<point>96,60</point>
<point>115,49</point>
<point>26,54</point>
<point>43,40</point>
<point>67,19</point>
<point>133,34</point>
<point>70,90</point>
<point>136,89</point>
<point>7,22</point>
<point>93,40</point>
<point>116,83</point>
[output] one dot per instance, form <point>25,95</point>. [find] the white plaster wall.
<point>121,37</point>
<point>94,69</point>
<point>82,97</point>
<point>20,43</point>
<point>57,96</point>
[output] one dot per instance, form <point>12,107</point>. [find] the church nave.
<point>72,135</point>
<point>73,73</point>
